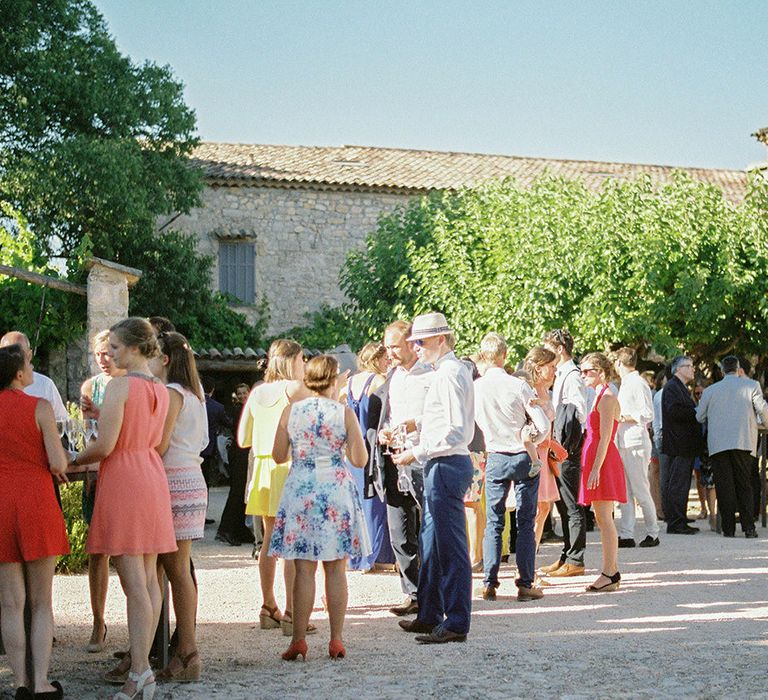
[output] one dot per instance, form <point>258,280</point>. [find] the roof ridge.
<point>548,159</point>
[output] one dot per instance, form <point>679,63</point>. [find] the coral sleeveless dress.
<point>133,511</point>
<point>612,486</point>
<point>320,517</point>
<point>31,523</point>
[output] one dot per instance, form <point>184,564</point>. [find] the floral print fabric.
<point>319,517</point>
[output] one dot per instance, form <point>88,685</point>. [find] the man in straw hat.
<point>447,427</point>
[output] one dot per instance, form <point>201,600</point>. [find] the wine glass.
<point>73,429</point>
<point>90,429</point>
<point>399,437</point>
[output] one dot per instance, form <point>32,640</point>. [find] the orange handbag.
<point>556,453</point>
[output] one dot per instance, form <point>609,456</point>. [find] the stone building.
<point>280,220</point>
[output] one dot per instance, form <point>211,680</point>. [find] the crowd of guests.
<point>418,458</point>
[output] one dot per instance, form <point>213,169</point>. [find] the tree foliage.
<point>93,150</point>
<point>675,267</point>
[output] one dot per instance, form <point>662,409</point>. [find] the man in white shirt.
<point>446,429</point>
<point>503,407</point>
<point>42,387</point>
<point>402,400</point>
<point>569,399</point>
<point>634,445</point>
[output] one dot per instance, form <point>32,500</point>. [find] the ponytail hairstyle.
<point>182,368</point>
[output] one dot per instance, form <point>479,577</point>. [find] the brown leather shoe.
<point>486,592</point>
<point>568,570</point>
<point>409,607</point>
<point>552,567</point>
<point>416,627</point>
<point>524,593</point>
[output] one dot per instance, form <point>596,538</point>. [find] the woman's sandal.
<point>286,624</point>
<point>612,585</point>
<point>119,674</point>
<point>188,672</point>
<point>145,689</point>
<point>96,647</point>
<point>268,619</point>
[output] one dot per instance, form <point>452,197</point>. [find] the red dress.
<point>31,523</point>
<point>612,485</point>
<point>133,509</point>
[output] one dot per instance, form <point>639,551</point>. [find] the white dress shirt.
<point>569,389</point>
<point>448,421</point>
<point>636,402</point>
<point>501,410</point>
<point>407,391</point>
<point>43,388</point>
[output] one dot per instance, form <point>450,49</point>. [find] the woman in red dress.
<point>602,472</point>
<point>32,531</point>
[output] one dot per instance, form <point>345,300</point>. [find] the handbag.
<point>556,453</point>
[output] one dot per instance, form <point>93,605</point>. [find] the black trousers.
<point>732,470</point>
<point>571,513</point>
<point>233,515</point>
<point>404,523</point>
<point>675,484</point>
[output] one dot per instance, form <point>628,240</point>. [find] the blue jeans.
<point>500,471</point>
<point>445,579</point>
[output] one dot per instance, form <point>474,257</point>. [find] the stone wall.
<point>302,238</point>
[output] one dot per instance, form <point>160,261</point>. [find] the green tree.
<point>674,266</point>
<point>94,149</point>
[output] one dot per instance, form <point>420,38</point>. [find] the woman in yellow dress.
<point>258,425</point>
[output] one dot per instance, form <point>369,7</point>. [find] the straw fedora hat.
<point>428,325</point>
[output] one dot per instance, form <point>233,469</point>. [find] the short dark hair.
<point>560,338</point>
<point>12,359</point>
<point>627,356</point>
<point>745,364</point>
<point>208,385</point>
<point>729,364</point>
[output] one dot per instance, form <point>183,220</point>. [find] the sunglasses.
<point>586,371</point>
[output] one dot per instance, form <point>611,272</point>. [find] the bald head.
<point>15,338</point>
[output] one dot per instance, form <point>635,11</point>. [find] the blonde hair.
<point>600,362</point>
<point>135,332</point>
<point>101,338</point>
<point>492,348</point>
<point>369,357</point>
<point>282,353</point>
<point>320,373</point>
<point>627,356</point>
<point>537,358</point>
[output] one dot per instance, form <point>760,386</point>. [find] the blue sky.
<point>677,82</point>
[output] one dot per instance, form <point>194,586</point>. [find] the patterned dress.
<point>182,460</point>
<point>319,517</point>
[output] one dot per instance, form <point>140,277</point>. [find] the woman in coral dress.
<point>132,519</point>
<point>540,364</point>
<point>602,472</point>
<point>32,531</point>
<point>320,517</point>
<point>257,427</point>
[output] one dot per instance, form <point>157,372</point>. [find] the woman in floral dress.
<point>319,517</point>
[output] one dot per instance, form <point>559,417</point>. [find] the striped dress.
<point>182,460</point>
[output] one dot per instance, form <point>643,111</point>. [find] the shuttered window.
<point>236,270</point>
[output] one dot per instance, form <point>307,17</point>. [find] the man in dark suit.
<point>218,420</point>
<point>682,443</point>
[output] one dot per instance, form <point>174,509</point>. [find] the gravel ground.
<point>690,621</point>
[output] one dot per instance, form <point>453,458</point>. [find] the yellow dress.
<point>257,428</point>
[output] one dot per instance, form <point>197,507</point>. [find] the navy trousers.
<point>445,579</point>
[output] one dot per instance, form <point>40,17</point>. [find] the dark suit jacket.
<point>681,433</point>
<point>217,421</point>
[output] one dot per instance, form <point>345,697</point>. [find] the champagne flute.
<point>90,429</point>
<point>73,432</point>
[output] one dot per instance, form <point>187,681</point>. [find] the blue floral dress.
<point>319,517</point>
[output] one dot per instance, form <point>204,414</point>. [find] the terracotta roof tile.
<point>361,167</point>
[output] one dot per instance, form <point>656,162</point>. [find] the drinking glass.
<point>90,429</point>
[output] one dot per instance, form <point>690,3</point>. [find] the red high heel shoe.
<point>295,649</point>
<point>336,649</point>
